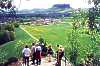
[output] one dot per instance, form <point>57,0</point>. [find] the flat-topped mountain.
<point>54,9</point>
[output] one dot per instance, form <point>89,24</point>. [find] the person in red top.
<point>38,54</point>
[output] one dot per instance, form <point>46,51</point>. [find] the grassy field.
<point>53,34</point>
<point>58,34</point>
<point>14,48</point>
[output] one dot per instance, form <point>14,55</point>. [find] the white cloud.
<point>30,4</point>
<point>80,4</point>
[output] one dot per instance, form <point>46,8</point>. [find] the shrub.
<point>41,40</point>
<point>1,33</point>
<point>74,56</point>
<point>16,24</point>
<point>2,27</point>
<point>6,36</point>
<point>9,27</point>
<point>12,35</point>
<point>73,41</point>
<point>1,37</point>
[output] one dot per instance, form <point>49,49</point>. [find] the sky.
<point>30,4</point>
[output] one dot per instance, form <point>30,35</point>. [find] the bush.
<point>74,56</point>
<point>74,42</point>
<point>2,27</point>
<point>16,24</point>
<point>1,33</point>
<point>41,40</point>
<point>12,35</point>
<point>9,27</point>
<point>28,24</point>
<point>6,36</point>
<point>1,38</point>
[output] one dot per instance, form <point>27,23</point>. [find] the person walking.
<point>26,54</point>
<point>49,53</point>
<point>60,54</point>
<point>38,54</point>
<point>33,53</point>
<point>44,51</point>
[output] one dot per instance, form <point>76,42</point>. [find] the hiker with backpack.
<point>49,53</point>
<point>38,54</point>
<point>33,53</point>
<point>44,51</point>
<point>59,55</point>
<point>26,54</point>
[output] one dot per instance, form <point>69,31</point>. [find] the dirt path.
<point>45,62</point>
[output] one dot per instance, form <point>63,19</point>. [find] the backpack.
<point>33,49</point>
<point>50,51</point>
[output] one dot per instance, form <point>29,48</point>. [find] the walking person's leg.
<point>39,61</point>
<point>36,61</point>
<point>27,61</point>
<point>59,62</point>
<point>33,59</point>
<point>50,58</point>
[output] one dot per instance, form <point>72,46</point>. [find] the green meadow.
<point>53,34</point>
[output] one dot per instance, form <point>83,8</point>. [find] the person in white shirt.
<point>26,54</point>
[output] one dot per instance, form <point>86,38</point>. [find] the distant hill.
<point>61,6</point>
<point>57,8</point>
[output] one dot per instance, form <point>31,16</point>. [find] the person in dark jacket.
<point>38,54</point>
<point>33,53</point>
<point>44,51</point>
<point>49,53</point>
<point>60,54</point>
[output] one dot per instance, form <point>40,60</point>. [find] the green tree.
<point>9,27</point>
<point>83,17</point>
<point>75,15</point>
<point>41,40</point>
<point>6,8</point>
<point>74,42</point>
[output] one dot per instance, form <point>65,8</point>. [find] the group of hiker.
<point>35,53</point>
<point>38,51</point>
